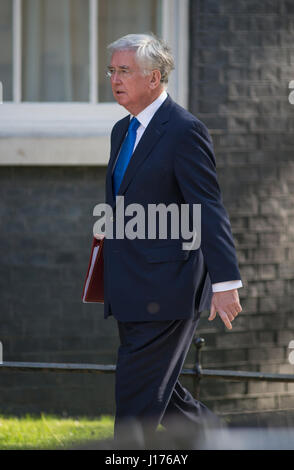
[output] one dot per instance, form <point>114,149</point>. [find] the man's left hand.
<point>227,305</point>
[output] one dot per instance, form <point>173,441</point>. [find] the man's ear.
<point>155,78</point>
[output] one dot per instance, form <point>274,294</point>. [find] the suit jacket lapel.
<point>152,134</point>
<point>117,141</point>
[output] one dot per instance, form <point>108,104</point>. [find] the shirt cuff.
<point>228,285</point>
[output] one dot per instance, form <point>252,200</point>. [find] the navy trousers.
<point>147,391</point>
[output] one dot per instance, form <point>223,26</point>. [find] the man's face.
<point>130,87</point>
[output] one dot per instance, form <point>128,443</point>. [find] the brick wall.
<point>46,234</point>
<point>241,59</point>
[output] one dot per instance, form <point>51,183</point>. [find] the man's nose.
<point>116,77</point>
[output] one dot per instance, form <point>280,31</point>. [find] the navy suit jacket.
<point>155,279</point>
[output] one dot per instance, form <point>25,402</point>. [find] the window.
<point>55,50</point>
<point>53,56</point>
<point>118,18</point>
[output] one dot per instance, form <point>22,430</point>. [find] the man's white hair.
<point>151,52</point>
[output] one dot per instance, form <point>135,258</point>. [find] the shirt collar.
<point>145,116</point>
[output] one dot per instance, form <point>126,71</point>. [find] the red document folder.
<point>93,290</point>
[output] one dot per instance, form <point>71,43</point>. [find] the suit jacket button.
<point>153,307</point>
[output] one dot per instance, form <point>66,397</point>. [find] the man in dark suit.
<point>155,289</point>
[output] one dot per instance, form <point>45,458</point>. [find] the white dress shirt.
<point>144,117</point>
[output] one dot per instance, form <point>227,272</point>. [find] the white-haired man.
<point>161,154</point>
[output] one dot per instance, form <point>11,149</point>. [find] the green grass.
<point>51,432</point>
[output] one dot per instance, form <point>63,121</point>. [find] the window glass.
<point>6,48</point>
<point>55,50</point>
<point>117,18</point>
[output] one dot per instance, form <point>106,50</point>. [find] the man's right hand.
<point>227,305</point>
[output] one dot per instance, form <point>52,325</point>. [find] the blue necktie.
<point>125,155</point>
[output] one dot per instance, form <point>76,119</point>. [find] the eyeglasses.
<point>122,72</point>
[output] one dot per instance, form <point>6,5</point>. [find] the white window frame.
<point>74,119</point>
